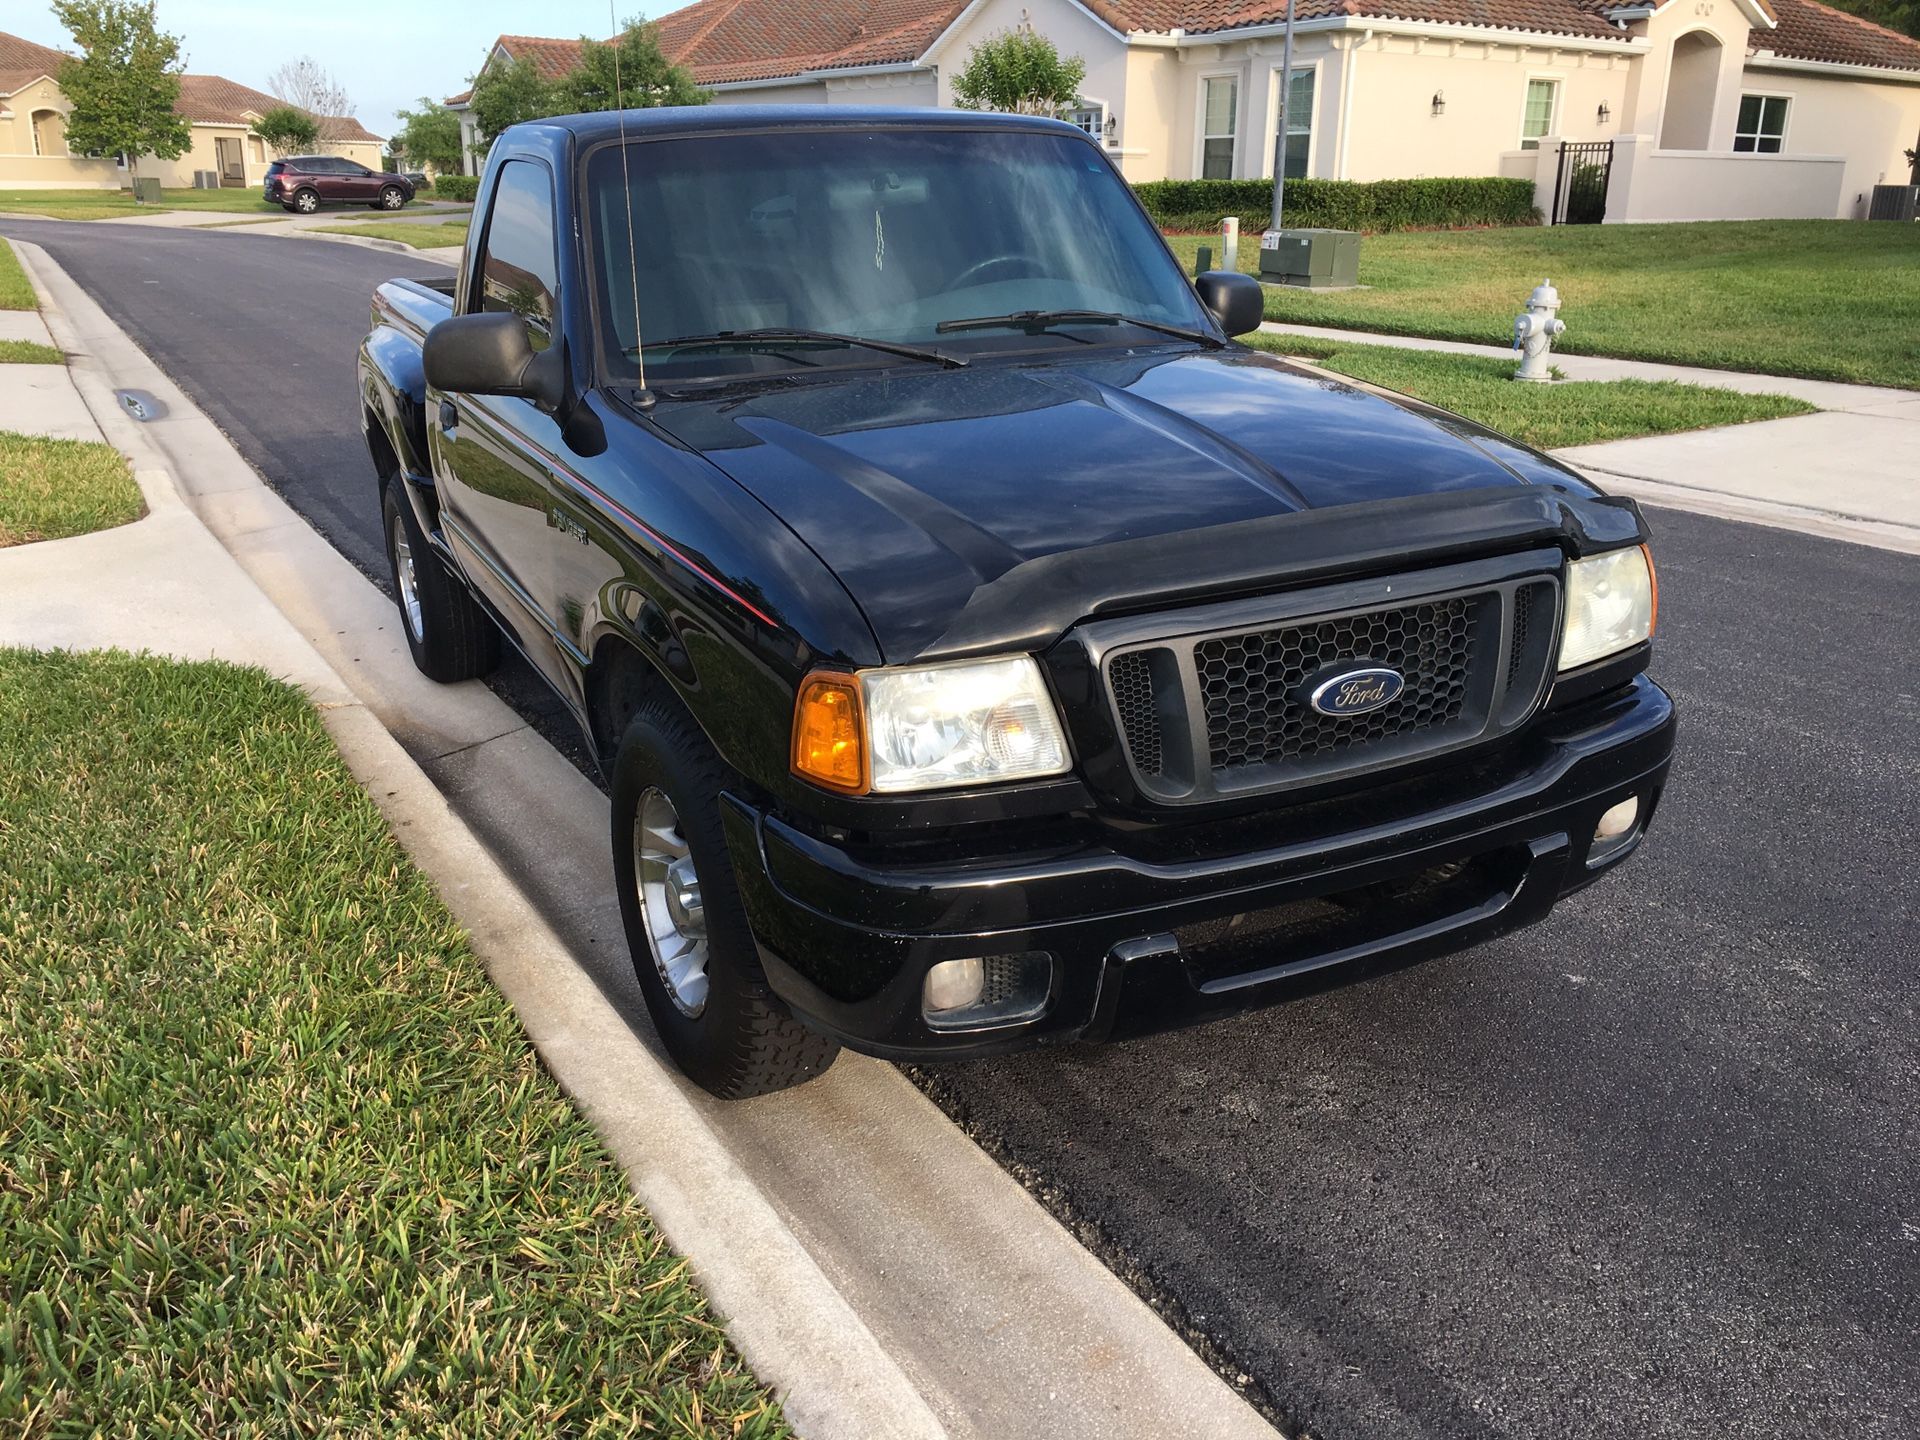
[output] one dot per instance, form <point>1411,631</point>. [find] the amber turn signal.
<point>829,737</point>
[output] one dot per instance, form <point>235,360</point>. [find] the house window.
<point>1762,126</point>
<point>1298,136</point>
<point>1220,109</point>
<point>1543,98</point>
<point>1089,117</point>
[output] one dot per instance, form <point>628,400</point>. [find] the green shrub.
<point>457,187</point>
<point>1371,206</point>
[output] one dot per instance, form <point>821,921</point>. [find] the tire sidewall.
<point>395,511</point>
<point>663,749</point>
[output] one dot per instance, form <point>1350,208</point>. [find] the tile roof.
<point>729,41</point>
<point>22,62</point>
<point>1554,17</point>
<point>1808,31</point>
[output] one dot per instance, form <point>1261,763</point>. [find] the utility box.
<point>1313,259</point>
<point>146,189</point>
<point>1894,202</point>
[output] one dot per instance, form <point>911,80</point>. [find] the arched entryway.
<point>1693,84</point>
<point>49,132</point>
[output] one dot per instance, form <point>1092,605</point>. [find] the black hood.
<point>921,491</point>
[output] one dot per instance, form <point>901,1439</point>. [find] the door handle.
<point>449,415</point>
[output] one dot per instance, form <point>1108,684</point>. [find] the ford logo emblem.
<point>1357,692</point>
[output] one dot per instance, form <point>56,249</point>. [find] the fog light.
<point>954,983</point>
<point>993,990</point>
<point>1619,820</point>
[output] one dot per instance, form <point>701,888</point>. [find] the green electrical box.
<point>1314,259</point>
<point>146,190</point>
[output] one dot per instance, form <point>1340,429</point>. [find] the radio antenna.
<point>644,397</point>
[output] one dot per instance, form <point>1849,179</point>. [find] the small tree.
<point>286,130</point>
<point>429,137</point>
<point>125,83</point>
<point>645,76</point>
<point>305,86</point>
<point>1018,72</point>
<point>507,94</point>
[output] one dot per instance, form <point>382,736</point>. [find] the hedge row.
<point>1371,205</point>
<point>456,187</point>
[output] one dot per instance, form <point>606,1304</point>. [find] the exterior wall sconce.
<point>1111,128</point>
<point>1605,113</point>
<point>1439,102</point>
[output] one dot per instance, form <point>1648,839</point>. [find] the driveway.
<point>1648,1170</point>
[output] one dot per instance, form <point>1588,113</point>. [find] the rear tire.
<point>718,1017</point>
<point>306,201</point>
<point>450,636</point>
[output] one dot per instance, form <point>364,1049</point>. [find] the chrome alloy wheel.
<point>392,199</point>
<point>408,582</point>
<point>306,202</point>
<point>670,902</point>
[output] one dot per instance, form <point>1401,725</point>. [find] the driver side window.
<point>516,267</point>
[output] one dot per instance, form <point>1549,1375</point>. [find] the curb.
<point>788,1321</point>
<point>934,1298</point>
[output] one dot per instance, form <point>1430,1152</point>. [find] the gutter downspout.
<point>1346,101</point>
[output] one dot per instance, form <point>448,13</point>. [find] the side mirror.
<point>1237,301</point>
<point>488,354</point>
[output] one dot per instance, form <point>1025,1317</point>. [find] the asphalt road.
<point>1648,1170</point>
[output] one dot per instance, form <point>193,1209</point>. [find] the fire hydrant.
<point>1534,332</point>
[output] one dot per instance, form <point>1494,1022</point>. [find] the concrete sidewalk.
<point>1849,472</point>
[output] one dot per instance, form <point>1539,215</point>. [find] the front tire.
<point>391,198</point>
<point>693,950</point>
<point>450,636</point>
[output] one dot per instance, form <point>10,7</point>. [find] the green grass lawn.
<point>109,204</point>
<point>275,1156</point>
<point>421,237</point>
<point>16,291</point>
<point>1578,412</point>
<point>29,352</point>
<point>51,489</point>
<point>1836,300</point>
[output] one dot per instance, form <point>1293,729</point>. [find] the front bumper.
<point>847,934</point>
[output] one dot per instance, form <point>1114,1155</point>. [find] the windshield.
<point>878,234</point>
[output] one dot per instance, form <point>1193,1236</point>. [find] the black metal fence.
<point>1580,187</point>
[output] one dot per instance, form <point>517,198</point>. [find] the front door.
<point>231,161</point>
<point>494,469</point>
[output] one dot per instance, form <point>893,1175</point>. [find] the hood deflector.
<point>1037,601</point>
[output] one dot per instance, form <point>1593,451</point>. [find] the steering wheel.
<point>974,273</point>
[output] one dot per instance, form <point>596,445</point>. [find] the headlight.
<point>1611,603</point>
<point>967,723</point>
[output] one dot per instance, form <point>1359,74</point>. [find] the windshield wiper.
<point>1042,319</point>
<point>816,337</point>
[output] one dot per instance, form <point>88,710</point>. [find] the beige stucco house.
<point>219,112</point>
<point>1717,108</point>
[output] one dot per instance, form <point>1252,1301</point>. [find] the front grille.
<point>1225,710</point>
<point>1253,683</point>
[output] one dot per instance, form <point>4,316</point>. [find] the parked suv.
<point>303,182</point>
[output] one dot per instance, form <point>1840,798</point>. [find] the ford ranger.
<point>981,646</point>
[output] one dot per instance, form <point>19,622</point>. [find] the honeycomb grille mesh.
<point>1132,680</point>
<point>1257,716</point>
<point>1522,619</point>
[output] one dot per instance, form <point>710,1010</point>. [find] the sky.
<point>387,55</point>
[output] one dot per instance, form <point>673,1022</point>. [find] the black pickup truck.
<point>982,647</point>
